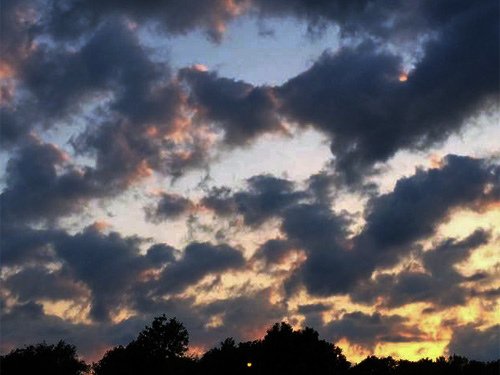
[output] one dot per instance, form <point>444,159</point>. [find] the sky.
<point>235,163</point>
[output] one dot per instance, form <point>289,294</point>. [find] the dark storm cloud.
<point>329,267</point>
<point>108,264</point>
<point>313,308</point>
<point>20,246</point>
<point>169,207</point>
<point>42,186</point>
<point>419,202</point>
<point>13,126</point>
<point>473,343</point>
<point>394,221</point>
<point>198,261</point>
<point>36,283</point>
<point>265,197</point>
<point>274,251</point>
<point>398,21</point>
<point>58,81</point>
<point>161,254</point>
<point>17,28</point>
<point>439,283</point>
<point>71,18</point>
<point>138,105</point>
<point>355,96</point>
<point>241,110</point>
<point>108,268</point>
<point>367,330</point>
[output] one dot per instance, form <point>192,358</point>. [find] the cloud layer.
<point>93,112</point>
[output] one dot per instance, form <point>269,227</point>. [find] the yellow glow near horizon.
<point>412,351</point>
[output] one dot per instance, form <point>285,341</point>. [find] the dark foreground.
<point>161,349</point>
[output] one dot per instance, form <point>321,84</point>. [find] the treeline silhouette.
<point>162,348</point>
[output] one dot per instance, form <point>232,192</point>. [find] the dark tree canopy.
<point>43,359</point>
<point>165,338</point>
<point>161,349</point>
<point>158,349</point>
<point>282,351</point>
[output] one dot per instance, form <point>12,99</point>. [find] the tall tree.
<point>159,349</point>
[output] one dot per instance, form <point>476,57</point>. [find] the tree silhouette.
<point>162,347</point>
<point>282,351</point>
<point>375,366</point>
<point>285,351</point>
<point>43,359</point>
<point>229,358</point>
<point>164,339</point>
<point>158,349</point>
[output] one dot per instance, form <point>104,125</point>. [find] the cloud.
<point>77,17</point>
<point>265,197</point>
<point>473,343</point>
<point>81,69</point>
<point>274,251</point>
<point>42,185</point>
<point>354,95</point>
<point>244,317</point>
<point>22,246</point>
<point>393,223</point>
<point>108,264</point>
<point>130,107</point>
<point>394,21</point>
<point>439,282</point>
<point>198,261</point>
<point>169,207</point>
<point>241,110</point>
<point>18,20</point>
<point>27,323</point>
<point>105,267</point>
<point>37,283</point>
<point>161,253</point>
<point>419,202</point>
<point>367,330</point>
